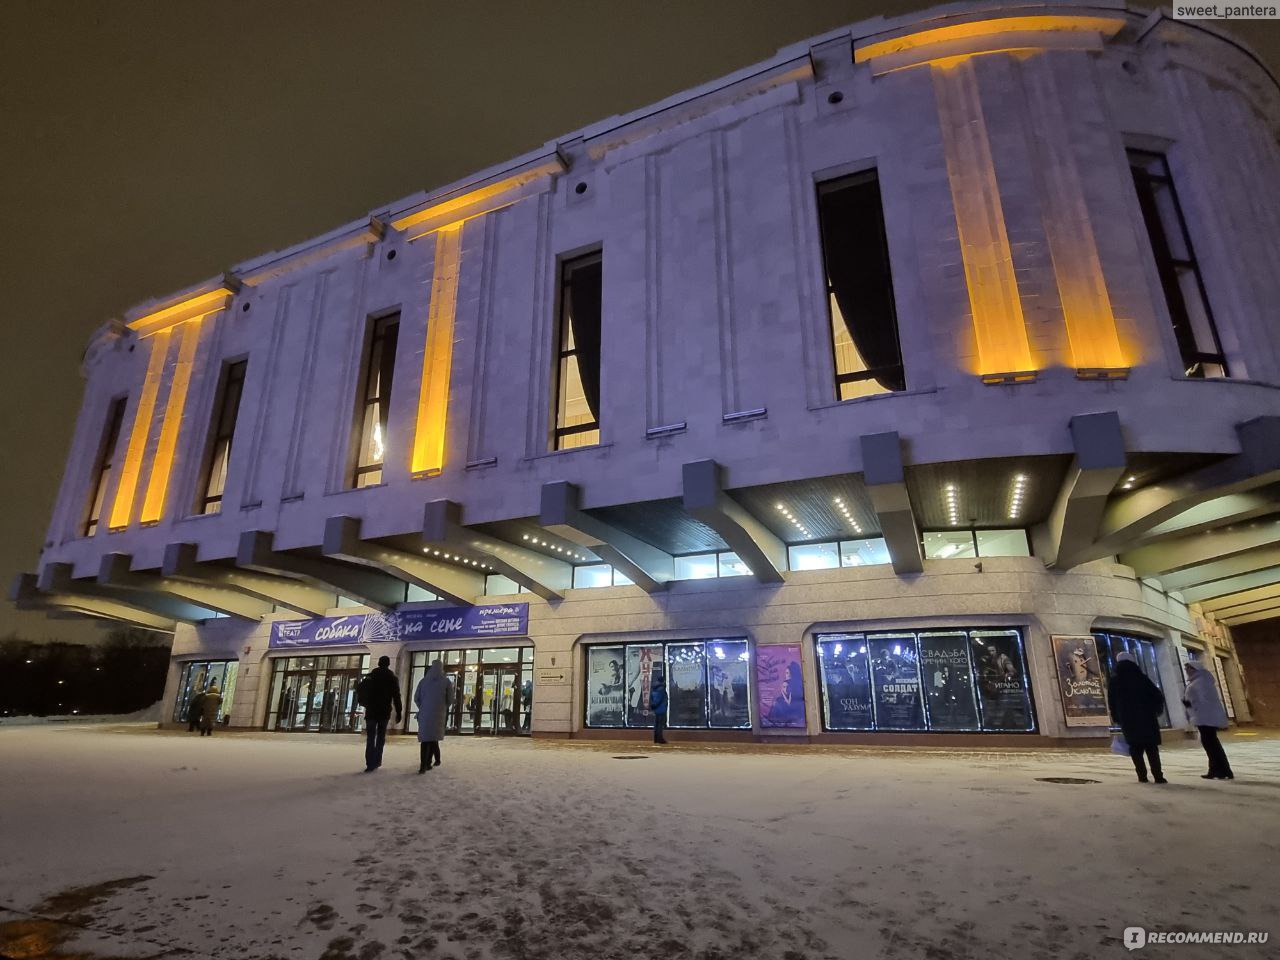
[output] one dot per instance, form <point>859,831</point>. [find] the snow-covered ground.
<point>131,842</point>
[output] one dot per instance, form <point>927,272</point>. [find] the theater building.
<point>882,391</point>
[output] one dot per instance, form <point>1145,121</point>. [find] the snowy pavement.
<point>131,842</point>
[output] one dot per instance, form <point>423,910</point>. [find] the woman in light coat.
<point>1208,715</point>
<point>432,698</point>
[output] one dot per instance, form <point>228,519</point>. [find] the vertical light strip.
<point>122,506</point>
<point>1086,307</point>
<point>162,462</point>
<point>984,243</point>
<point>433,397</point>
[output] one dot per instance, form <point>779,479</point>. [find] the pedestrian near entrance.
<point>378,692</point>
<point>658,704</point>
<point>1206,712</point>
<point>1136,704</point>
<point>210,703</point>
<point>193,710</point>
<point>433,698</point>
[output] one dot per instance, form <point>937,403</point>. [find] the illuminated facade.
<point>887,388</point>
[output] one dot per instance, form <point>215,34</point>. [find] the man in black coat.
<point>379,691</point>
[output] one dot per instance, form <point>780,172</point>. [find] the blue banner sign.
<point>441,623</point>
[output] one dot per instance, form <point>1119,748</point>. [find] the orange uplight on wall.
<point>1004,353</point>
<point>947,40</point>
<point>122,506</point>
<point>433,397</point>
<point>162,462</point>
<point>192,308</point>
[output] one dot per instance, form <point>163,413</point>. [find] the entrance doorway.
<point>316,694</point>
<point>493,689</point>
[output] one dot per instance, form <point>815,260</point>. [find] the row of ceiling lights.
<point>1015,499</point>
<point>792,517</point>
<point>952,498</point>
<point>848,517</point>
<point>535,541</point>
<point>456,559</point>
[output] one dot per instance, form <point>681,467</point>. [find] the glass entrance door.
<point>316,695</point>
<point>493,688</point>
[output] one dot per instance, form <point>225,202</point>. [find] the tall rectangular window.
<point>864,320</point>
<point>374,405</point>
<point>577,391</point>
<point>1184,291</point>
<point>213,478</point>
<point>104,465</point>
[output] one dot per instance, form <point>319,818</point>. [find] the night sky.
<point>150,145</point>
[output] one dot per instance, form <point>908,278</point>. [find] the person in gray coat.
<point>433,699</point>
<point>1206,712</point>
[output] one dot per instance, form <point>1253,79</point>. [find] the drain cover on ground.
<point>633,757</point>
<point>1064,780</point>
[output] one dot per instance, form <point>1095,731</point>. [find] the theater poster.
<point>1080,681</point>
<point>780,686</point>
<point>606,689</point>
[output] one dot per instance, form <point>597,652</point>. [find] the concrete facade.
<point>716,344</point>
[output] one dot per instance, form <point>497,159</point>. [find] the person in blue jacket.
<point>658,704</point>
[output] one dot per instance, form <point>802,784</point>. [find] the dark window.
<point>104,466</point>
<point>1180,277</point>
<point>864,321</point>
<point>225,411</point>
<point>577,392</point>
<point>375,401</point>
<point>1111,645</point>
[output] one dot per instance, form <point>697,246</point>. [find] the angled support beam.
<point>1132,516</point>
<point>58,578</point>
<point>374,589</point>
<point>1234,603</point>
<point>1218,512</point>
<point>342,540</point>
<point>1271,613</point>
<point>114,571</point>
<point>1230,585</point>
<point>442,528</point>
<point>181,563</point>
<point>1190,551</point>
<point>26,595</point>
<point>1097,467</point>
<point>754,543</point>
<point>886,480</point>
<point>1214,570</point>
<point>645,565</point>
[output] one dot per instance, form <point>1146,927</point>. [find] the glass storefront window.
<point>492,689</point>
<point>593,575</point>
<point>1002,543</point>
<point>948,545</point>
<point>195,677</point>
<point>414,593</point>
<point>698,566</point>
<point>316,694</point>
<point>863,553</point>
<point>813,556</point>
<point>943,680</point>
<point>731,565</point>
<point>1111,645</point>
<point>496,585</point>
<point>707,683</point>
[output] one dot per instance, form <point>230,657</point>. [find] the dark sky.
<point>148,145</point>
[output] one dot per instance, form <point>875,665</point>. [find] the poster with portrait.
<point>728,686</point>
<point>606,690</point>
<point>643,661</point>
<point>1002,680</point>
<point>780,686</point>
<point>846,681</point>
<point>686,685</point>
<point>948,681</point>
<point>1080,681</point>
<point>895,682</point>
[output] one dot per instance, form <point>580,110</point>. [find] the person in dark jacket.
<point>193,708</point>
<point>658,704</point>
<point>210,704</point>
<point>1136,704</point>
<point>379,692</point>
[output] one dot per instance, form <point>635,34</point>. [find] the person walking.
<point>1208,715</point>
<point>1136,704</point>
<point>378,692</point>
<point>433,698</point>
<point>658,704</point>
<point>210,703</point>
<point>193,710</point>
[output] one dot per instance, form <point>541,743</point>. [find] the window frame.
<point>104,464</point>
<point>219,431</point>
<point>376,335</point>
<point>566,267</point>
